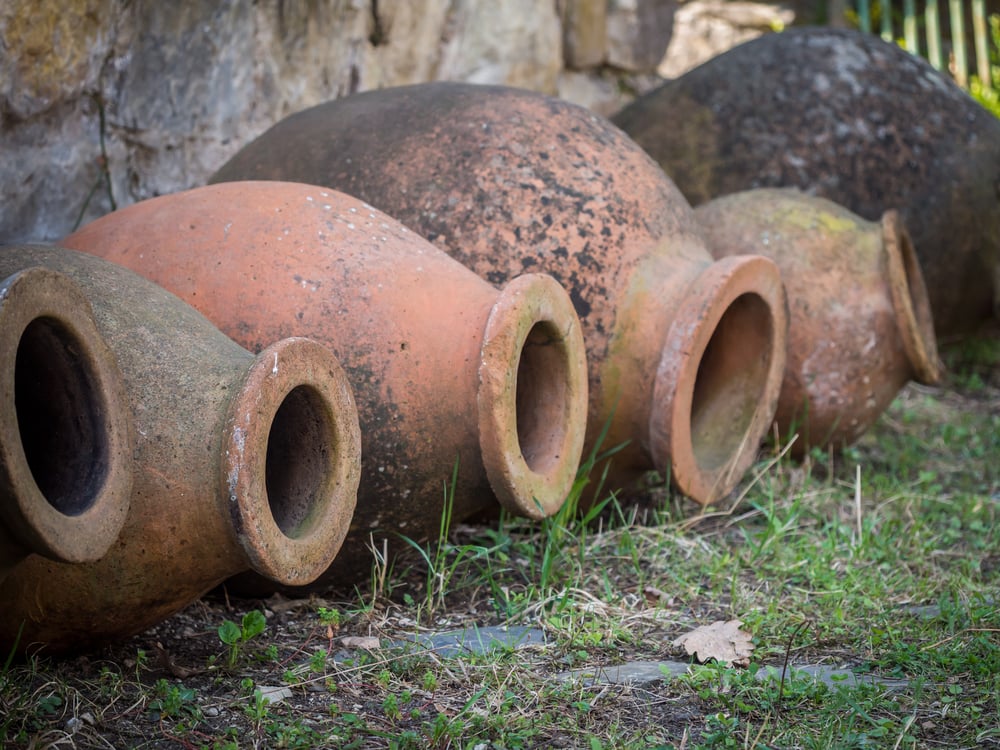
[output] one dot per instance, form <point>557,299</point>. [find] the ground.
<point>889,573</point>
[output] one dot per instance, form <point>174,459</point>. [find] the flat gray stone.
<point>477,640</point>
<point>629,673</point>
<point>648,672</point>
<point>274,693</point>
<point>834,676</point>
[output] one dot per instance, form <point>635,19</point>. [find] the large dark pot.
<point>241,462</point>
<point>685,355</point>
<point>849,117</point>
<point>860,322</point>
<point>65,426</point>
<point>445,367</point>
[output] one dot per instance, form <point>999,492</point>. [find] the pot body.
<point>860,321</point>
<point>240,463</point>
<point>846,116</point>
<point>445,367</point>
<point>66,437</point>
<point>508,181</point>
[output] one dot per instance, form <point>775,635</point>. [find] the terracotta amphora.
<point>860,322</point>
<point>241,463</point>
<point>846,116</point>
<point>65,426</point>
<point>446,369</point>
<point>685,355</point>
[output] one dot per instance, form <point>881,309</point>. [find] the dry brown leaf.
<point>722,641</point>
<point>167,663</point>
<point>657,596</point>
<point>367,642</point>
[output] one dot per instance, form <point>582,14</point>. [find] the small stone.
<point>211,712</point>
<point>272,694</point>
<point>73,725</point>
<point>369,643</point>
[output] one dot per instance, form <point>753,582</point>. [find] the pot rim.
<point>83,526</point>
<point>673,442</point>
<point>532,358</point>
<point>293,536</point>
<point>910,301</point>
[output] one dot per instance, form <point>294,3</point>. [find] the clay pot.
<point>685,355</point>
<point>65,429</point>
<point>240,463</point>
<point>846,116</point>
<point>861,324</point>
<point>445,367</point>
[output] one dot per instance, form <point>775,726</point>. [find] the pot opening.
<point>60,416</point>
<point>301,445</point>
<point>732,376</point>
<point>541,397</point>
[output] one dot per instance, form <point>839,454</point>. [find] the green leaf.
<point>253,624</point>
<point>229,632</point>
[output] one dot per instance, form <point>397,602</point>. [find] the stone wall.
<point>106,102</point>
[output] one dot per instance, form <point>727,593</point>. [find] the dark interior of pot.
<point>60,416</point>
<point>301,446</point>
<point>541,398</point>
<point>732,375</point>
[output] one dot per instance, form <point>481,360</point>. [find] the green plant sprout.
<point>236,636</point>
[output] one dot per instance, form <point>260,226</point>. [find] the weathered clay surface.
<point>66,438</point>
<point>848,117</point>
<point>508,182</point>
<point>860,322</point>
<point>241,462</point>
<point>444,366</point>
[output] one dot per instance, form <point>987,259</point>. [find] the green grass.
<point>883,559</point>
<point>990,97</point>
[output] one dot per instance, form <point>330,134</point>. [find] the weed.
<point>174,701</point>
<point>989,96</point>
<point>330,617</point>
<point>236,636</point>
<point>444,560</point>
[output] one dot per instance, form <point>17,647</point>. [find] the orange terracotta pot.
<point>861,324</point>
<point>685,355</point>
<point>65,428</point>
<point>445,367</point>
<point>241,463</point>
<point>847,116</point>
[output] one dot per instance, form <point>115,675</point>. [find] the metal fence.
<point>954,35</point>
